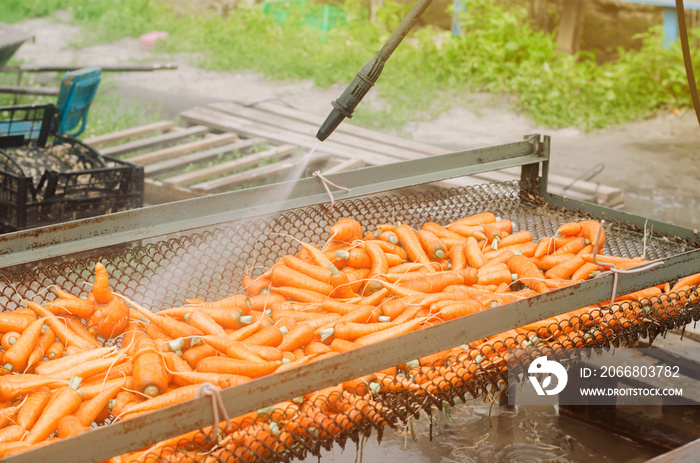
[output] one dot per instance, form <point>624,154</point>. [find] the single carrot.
<point>8,412</point>
<point>351,331</point>
<point>174,328</point>
<point>343,345</point>
<point>14,321</point>
<point>374,298</point>
<point>12,433</point>
<point>265,301</point>
<point>522,236</point>
<point>83,308</point>
<point>219,380</point>
<point>391,332</point>
<point>436,282</point>
<point>342,286</point>
<point>55,351</point>
<point>46,339</point>
<point>57,366</point>
<point>268,336</point>
<point>411,242</point>
<point>123,399</point>
<point>267,353</point>
<point>527,272</point>
<point>314,271</point>
<point>565,269</point>
<point>590,230</point>
<point>194,354</point>
<point>15,358</point>
<point>584,271</point>
<point>299,336</point>
<point>285,276</point>
<point>690,280</point>
<point>237,367</point>
<point>544,246</point>
<point>442,232</point>
<point>299,294</point>
<point>572,247</point>
<point>346,229</point>
<point>120,370</point>
<point>494,276</point>
<point>63,402</point>
<point>231,348</point>
<point>76,324</point>
<point>388,236</point>
<point>460,309</point>
<point>149,372</point>
<point>255,286</point>
<point>317,255</point>
<point>569,229</point>
<point>457,256</point>
<point>32,407</point>
<point>315,347</point>
<point>205,323</point>
<point>89,410</point>
<point>476,219</point>
<point>550,261</point>
<point>433,246</point>
<point>475,257</point>
<point>465,231</point>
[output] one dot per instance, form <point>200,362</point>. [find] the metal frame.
<point>122,437</point>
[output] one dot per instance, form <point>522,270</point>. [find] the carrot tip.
<point>384,318</point>
<point>177,344</point>
<point>412,363</point>
<point>326,333</point>
<point>283,330</point>
<point>246,319</point>
<point>8,367</point>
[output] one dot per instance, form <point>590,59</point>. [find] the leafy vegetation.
<point>499,52</point>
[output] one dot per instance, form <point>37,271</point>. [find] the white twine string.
<point>614,270</point>
<point>325,182</point>
<point>217,404</point>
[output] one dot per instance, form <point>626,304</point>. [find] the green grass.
<point>499,53</point>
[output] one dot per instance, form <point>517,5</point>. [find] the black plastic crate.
<point>24,124</point>
<point>89,186</point>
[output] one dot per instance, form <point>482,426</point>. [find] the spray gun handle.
<point>354,93</point>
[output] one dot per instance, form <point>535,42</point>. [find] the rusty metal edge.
<point>121,437</point>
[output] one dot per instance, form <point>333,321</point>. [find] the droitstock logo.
<point>551,368</point>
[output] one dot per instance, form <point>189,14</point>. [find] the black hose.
<point>683,32</point>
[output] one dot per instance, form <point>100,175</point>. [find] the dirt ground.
<point>656,162</point>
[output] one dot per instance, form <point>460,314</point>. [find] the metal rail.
<point>150,222</point>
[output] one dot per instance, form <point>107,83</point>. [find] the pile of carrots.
<point>59,378</point>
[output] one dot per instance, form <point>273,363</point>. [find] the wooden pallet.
<point>288,136</point>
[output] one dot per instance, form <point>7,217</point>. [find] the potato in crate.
<point>47,179</point>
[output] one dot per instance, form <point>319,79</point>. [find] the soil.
<point>656,162</point>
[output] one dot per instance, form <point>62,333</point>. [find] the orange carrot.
<point>59,365</point>
<point>460,309</point>
<point>475,258</point>
<point>342,345</point>
<point>194,354</point>
<point>55,351</point>
<point>220,380</point>
<point>432,244</point>
<point>584,271</point>
<point>590,230</point>
<point>255,286</point>
<point>526,249</point>
<point>12,433</point>
<point>15,359</point>
<point>32,407</point>
<point>411,242</point>
<point>436,282</point>
<point>299,336</point>
<point>549,261</point>
<point>494,276</point>
<point>149,372</point>
<point>174,328</point>
<point>14,321</point>
<point>63,402</point>
<point>466,231</point>
<point>544,246</point>
<point>299,294</point>
<point>351,331</point>
<point>83,308</point>
<point>565,269</point>
<point>268,336</point>
<point>233,349</point>
<point>342,286</point>
<point>346,229</point>
<point>391,332</point>
<point>314,271</point>
<point>476,219</point>
<point>690,280</point>
<point>13,386</point>
<point>572,247</point>
<point>41,347</point>
<point>569,229</point>
<point>285,276</point>
<point>204,323</point>
<point>89,410</point>
<point>527,272</point>
<point>109,320</point>
<point>237,367</point>
<point>76,324</point>
<point>522,236</point>
<point>457,257</point>
<point>267,353</point>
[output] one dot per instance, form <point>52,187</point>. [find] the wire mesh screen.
<point>210,264</point>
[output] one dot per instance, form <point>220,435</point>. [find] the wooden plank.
<point>223,122</point>
<point>185,148</point>
<point>232,181</point>
<point>199,156</point>
<point>231,166</point>
<point>168,137</point>
<point>129,133</point>
<point>348,128</point>
<point>306,128</point>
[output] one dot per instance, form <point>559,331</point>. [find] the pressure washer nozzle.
<point>352,95</point>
